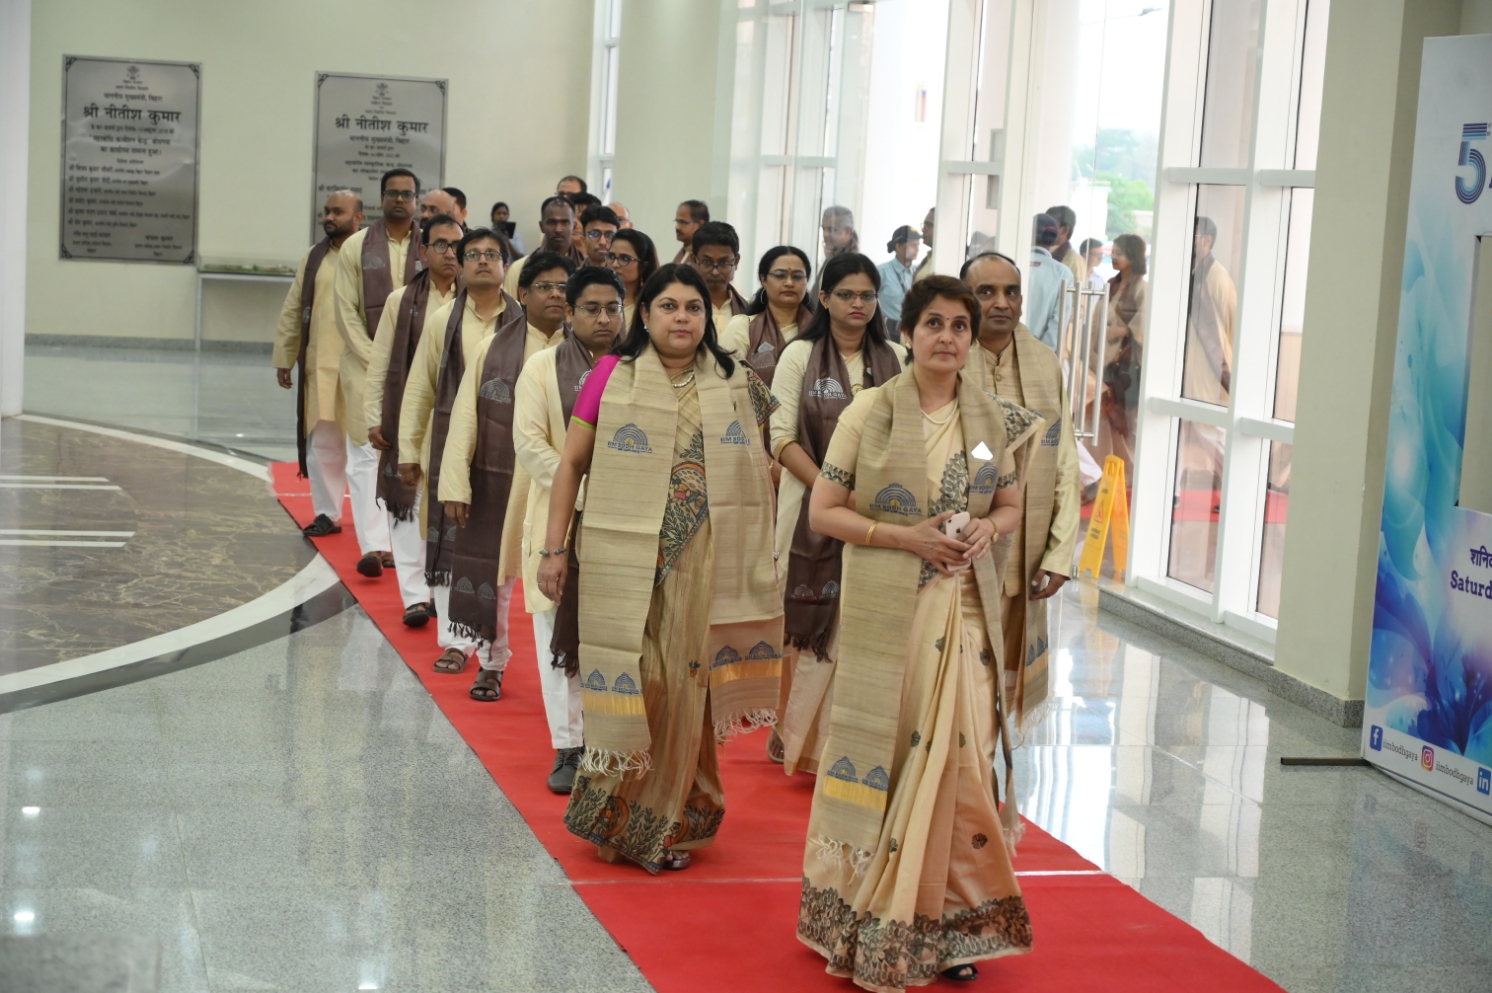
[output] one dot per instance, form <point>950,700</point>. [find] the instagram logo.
<point>1427,759</point>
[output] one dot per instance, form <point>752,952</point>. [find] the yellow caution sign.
<point>1110,511</point>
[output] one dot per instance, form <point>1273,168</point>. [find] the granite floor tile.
<point>73,847</point>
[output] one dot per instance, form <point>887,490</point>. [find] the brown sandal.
<point>452,660</point>
<point>673,861</point>
<point>488,686</point>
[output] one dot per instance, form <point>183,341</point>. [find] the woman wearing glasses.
<point>843,351</point>
<point>775,314</point>
<point>635,259</point>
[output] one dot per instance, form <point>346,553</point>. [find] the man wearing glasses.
<point>716,252</point>
<point>547,388</point>
<point>406,318</point>
<point>557,223</point>
<point>599,225</point>
<point>371,264</point>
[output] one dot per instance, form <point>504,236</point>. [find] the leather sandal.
<point>965,973</point>
<point>451,661</point>
<point>673,861</point>
<point>416,616</point>
<point>488,686</point>
<point>387,558</point>
<point>370,565</point>
<point>321,527</point>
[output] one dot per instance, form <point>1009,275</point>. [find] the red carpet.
<point>1092,932</point>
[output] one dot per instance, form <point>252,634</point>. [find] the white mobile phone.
<point>954,528</point>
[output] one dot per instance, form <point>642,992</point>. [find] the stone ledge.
<point>1247,655</point>
<point>166,344</point>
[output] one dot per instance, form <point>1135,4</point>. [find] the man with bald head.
<point>437,203</point>
<point>623,215</point>
<point>1010,362</point>
<point>307,338</point>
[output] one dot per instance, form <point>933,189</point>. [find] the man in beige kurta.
<point>594,311</point>
<point>399,189</point>
<point>1011,363</point>
<point>1206,365</point>
<point>557,219</point>
<point>326,464</point>
<point>438,242</point>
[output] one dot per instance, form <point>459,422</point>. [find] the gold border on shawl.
<point>621,704</point>
<point>761,669</point>
<point>856,793</point>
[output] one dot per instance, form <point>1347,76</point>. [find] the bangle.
<point>872,531</point>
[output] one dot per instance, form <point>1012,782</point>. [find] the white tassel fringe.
<point>614,764</point>
<point>743,723</point>
<point>841,855</point>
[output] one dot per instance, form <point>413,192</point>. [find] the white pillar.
<point>15,123</point>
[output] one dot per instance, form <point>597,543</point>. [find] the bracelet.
<point>873,526</point>
<point>557,551</point>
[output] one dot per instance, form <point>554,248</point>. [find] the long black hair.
<point>637,339</point>
<point>759,301</point>
<point>647,254</point>
<point>834,272</point>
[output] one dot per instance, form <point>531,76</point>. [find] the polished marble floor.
<point>299,816</point>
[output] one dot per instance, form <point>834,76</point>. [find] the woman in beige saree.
<point>907,872</point>
<point>680,619</point>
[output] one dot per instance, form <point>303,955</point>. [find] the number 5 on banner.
<point>1111,509</point>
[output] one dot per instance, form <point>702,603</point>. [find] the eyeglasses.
<point>490,255</point>
<point>725,265</point>
<point>789,275</point>
<point>596,309</point>
<point>850,296</point>
<point>399,195</point>
<point>620,261</point>
<point>596,234</point>
<point>442,247</point>
<point>547,288</point>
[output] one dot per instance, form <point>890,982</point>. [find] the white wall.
<point>517,117</point>
<point>15,29</point>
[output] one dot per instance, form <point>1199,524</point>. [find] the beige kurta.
<point>383,348</point>
<point>357,337</point>
<point>1199,380</point>
<point>417,410</point>
<point>807,694</point>
<point>1078,265</point>
<point>323,349</point>
<point>736,337</point>
<point>461,449</point>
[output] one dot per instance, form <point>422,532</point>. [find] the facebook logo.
<point>1375,738</point>
<point>1484,781</point>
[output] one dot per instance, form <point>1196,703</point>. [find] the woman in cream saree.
<point>680,620</point>
<point>907,872</point>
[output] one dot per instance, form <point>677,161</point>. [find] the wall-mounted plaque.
<point>367,125</point>
<point>129,159</point>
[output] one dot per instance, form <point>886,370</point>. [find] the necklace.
<point>945,420</point>
<point>680,386</point>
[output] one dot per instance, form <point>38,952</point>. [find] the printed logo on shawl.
<point>1036,651</point>
<point>831,590</point>
<point>486,592</point>
<point>595,681</point>
<point>388,470</point>
<point>762,652</point>
<point>895,499</point>
<point>463,585</point>
<point>371,261</point>
<point>496,390</point>
<point>734,435</point>
<point>725,656</point>
<point>1053,434</point>
<point>625,686</point>
<point>765,355</point>
<point>985,479</point>
<point>629,438</point>
<point>877,779</point>
<point>432,533</point>
<point>803,592</point>
<point>827,389</point>
<point>581,381</point>
<point>843,769</point>
<point>765,346</point>
<point>451,533</point>
<point>305,315</point>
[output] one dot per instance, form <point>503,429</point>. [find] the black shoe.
<point>321,527</point>
<point>566,762</point>
<point>370,565</point>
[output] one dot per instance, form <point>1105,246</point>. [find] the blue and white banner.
<point>1428,713</point>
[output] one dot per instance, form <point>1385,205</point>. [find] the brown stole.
<point>307,299</point>
<point>378,277</point>
<point>572,364</point>
<point>398,497</point>
<point>478,546</point>
<point>814,560</point>
<point>765,344</point>
<point>440,535</point>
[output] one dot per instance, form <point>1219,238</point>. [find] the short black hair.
<point>583,187</point>
<point>436,222</point>
<point>582,201</point>
<point>501,204</point>
<point>383,182</point>
<point>558,198</point>
<point>504,246</point>
<point>716,233</point>
<point>541,262</point>
<point>596,212</point>
<point>592,275</point>
<point>699,211</point>
<point>1206,227</point>
<point>1065,217</point>
<point>456,195</point>
<point>1089,244</point>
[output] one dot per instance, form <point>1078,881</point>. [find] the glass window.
<point>1272,542</point>
<point>1212,305</point>
<point>1232,61</point>
<point>1292,305</point>
<point>1194,505</point>
<point>1312,71</point>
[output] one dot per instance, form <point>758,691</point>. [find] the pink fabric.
<point>588,405</point>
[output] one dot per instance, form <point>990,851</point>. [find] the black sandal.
<point>673,861</point>
<point>488,687</point>
<point>452,661</point>
<point>416,615</point>
<point>370,565</point>
<point>965,973</point>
